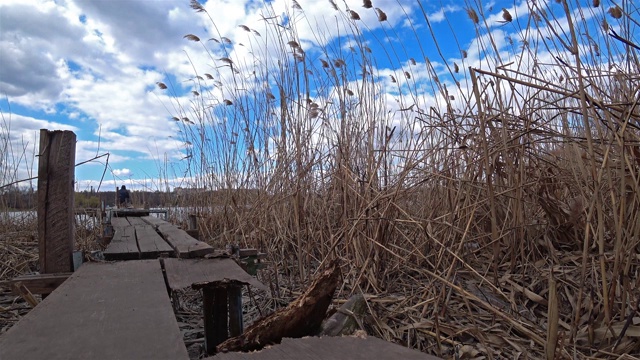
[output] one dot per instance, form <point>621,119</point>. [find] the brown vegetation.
<point>499,218</point>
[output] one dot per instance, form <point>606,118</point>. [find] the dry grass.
<point>499,220</point>
<point>494,216</point>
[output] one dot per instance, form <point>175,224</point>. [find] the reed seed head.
<point>354,15</point>
<point>506,15</point>
<point>615,12</point>
<point>195,5</point>
<point>473,15</point>
<point>293,44</point>
<point>381,15</point>
<point>367,4</point>
<point>226,60</point>
<point>161,85</point>
<point>192,37</point>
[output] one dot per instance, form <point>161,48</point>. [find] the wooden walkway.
<point>148,237</point>
<point>123,309</point>
<point>330,348</point>
<point>115,310</point>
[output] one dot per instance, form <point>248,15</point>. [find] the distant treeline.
<point>25,199</point>
<point>21,199</point>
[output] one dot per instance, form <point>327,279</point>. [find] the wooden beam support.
<point>56,169</point>
<point>38,284</point>
<point>235,310</point>
<point>193,226</point>
<point>215,316</point>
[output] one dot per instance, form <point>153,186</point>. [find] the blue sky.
<point>91,66</point>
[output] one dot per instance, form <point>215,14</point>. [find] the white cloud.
<point>124,172</point>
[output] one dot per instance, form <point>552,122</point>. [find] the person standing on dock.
<point>123,196</point>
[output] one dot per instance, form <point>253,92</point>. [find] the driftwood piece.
<point>300,318</point>
<point>346,319</point>
<point>22,290</point>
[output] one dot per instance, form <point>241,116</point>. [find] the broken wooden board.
<point>183,245</point>
<point>302,317</point>
<point>117,310</point>
<point>150,243</point>
<point>184,273</point>
<point>330,348</point>
<point>123,246</point>
<point>154,221</point>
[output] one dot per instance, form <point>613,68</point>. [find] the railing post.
<point>193,226</point>
<point>56,167</point>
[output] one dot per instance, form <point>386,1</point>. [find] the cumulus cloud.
<point>124,172</point>
<point>97,63</point>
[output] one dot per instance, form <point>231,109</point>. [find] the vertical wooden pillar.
<point>193,226</point>
<point>215,317</point>
<point>235,310</point>
<point>56,168</point>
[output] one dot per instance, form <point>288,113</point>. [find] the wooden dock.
<point>330,348</point>
<point>123,309</point>
<point>117,310</point>
<point>148,237</point>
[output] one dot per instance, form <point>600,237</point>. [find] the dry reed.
<point>501,220</point>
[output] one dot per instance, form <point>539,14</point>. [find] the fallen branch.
<point>300,318</point>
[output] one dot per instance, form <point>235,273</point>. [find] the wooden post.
<point>235,310</point>
<point>215,317</point>
<point>56,167</point>
<point>193,226</point>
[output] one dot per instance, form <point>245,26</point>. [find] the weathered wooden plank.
<point>115,310</point>
<point>39,283</point>
<point>119,222</point>
<point>150,243</point>
<point>56,169</point>
<point>129,212</point>
<point>154,221</point>
<point>183,273</point>
<point>329,348</point>
<point>236,323</point>
<point>123,246</point>
<point>184,245</point>
<point>215,316</point>
<point>135,221</point>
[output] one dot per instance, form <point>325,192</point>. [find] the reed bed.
<point>490,210</point>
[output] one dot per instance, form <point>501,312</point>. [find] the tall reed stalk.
<point>493,206</point>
